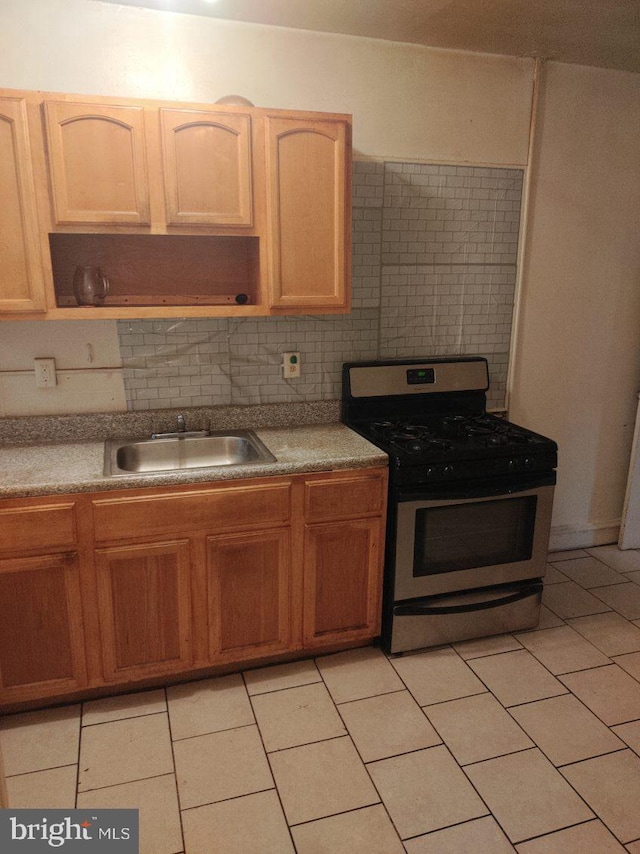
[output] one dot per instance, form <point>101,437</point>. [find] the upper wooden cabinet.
<point>207,167</point>
<point>308,196</point>
<point>97,163</point>
<point>21,285</point>
<point>196,209</point>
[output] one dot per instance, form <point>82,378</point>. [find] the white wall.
<point>407,101</point>
<point>576,373</point>
<point>577,368</point>
<point>88,367</point>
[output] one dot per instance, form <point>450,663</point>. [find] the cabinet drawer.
<point>344,497</point>
<point>41,526</point>
<point>203,510</point>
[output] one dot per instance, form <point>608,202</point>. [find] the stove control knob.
<point>429,472</point>
<point>528,463</point>
<point>512,465</point>
<point>447,471</point>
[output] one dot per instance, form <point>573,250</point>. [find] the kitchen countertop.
<point>47,468</point>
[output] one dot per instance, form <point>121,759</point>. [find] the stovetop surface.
<point>454,436</point>
<point>430,416</point>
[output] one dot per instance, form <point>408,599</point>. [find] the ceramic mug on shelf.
<point>90,286</point>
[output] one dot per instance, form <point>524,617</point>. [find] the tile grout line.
<point>125,717</point>
<point>80,728</point>
<point>40,770</point>
<point>371,780</point>
<point>126,782</point>
<point>212,732</point>
<point>624,749</point>
<point>355,747</point>
<point>578,794</point>
<point>273,777</point>
<point>175,771</point>
<point>229,799</point>
<point>443,745</point>
<point>562,829</point>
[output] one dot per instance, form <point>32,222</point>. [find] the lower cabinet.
<point>144,601</point>
<point>167,581</point>
<point>41,632</point>
<point>249,594</point>
<point>344,514</point>
<point>342,581</point>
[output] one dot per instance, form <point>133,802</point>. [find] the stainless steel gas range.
<point>469,505</point>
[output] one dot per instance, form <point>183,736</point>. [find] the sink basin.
<point>225,448</point>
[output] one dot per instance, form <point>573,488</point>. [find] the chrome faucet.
<point>181,431</point>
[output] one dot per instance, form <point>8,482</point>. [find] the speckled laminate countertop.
<point>46,468</point>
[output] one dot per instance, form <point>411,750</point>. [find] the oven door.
<point>482,536</point>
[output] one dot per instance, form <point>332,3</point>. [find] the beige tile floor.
<point>528,742</point>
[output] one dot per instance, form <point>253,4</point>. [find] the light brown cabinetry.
<point>97,161</point>
<point>218,210</point>
<point>21,282</point>
<point>41,641</point>
<point>155,512</point>
<point>309,192</point>
<point>342,557</point>
<point>144,599</point>
<point>342,597</point>
<point>250,590</point>
<point>120,587</point>
<point>226,546</point>
<point>207,167</point>
<point>42,651</point>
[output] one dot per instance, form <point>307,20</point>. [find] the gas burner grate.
<point>410,437</point>
<point>485,430</point>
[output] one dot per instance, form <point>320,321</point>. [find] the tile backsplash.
<point>434,270</point>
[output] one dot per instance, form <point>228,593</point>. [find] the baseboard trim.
<point>565,537</point>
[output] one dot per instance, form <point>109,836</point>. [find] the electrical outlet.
<point>291,365</point>
<point>45,372</point>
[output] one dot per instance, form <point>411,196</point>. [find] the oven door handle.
<point>461,491</point>
<point>415,609</point>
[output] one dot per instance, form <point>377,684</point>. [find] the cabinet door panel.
<point>249,581</point>
<point>145,609</point>
<point>207,167</point>
<point>307,169</point>
<point>21,283</point>
<point>342,584</point>
<point>97,161</point>
<point>41,635</point>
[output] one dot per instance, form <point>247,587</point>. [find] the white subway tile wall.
<point>434,271</point>
<point>175,362</point>
<point>448,263</point>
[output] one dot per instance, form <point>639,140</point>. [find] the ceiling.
<point>603,33</point>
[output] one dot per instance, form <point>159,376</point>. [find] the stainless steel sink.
<point>224,448</point>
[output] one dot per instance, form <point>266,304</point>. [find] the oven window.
<point>466,536</point>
